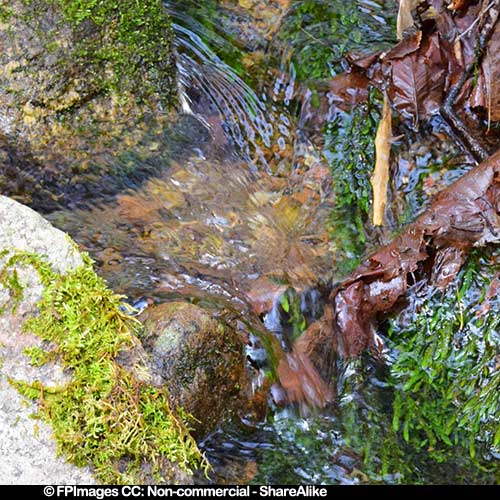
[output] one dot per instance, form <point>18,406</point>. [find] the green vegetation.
<point>134,42</point>
<point>5,13</point>
<point>105,415</point>
<point>447,373</point>
<point>290,303</point>
<point>213,25</point>
<point>322,32</point>
<point>350,151</point>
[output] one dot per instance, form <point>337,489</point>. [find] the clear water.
<point>240,212</point>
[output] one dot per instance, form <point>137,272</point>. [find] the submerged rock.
<point>200,359</point>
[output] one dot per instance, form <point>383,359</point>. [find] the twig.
<point>478,18</point>
<point>458,128</point>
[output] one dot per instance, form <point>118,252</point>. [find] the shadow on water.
<point>236,212</point>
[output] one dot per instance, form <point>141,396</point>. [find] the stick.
<point>456,125</point>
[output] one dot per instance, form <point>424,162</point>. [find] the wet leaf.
<point>490,69</point>
<point>491,294</point>
<point>459,4</point>
<point>301,381</point>
<point>463,216</point>
<point>264,293</point>
<point>349,89</point>
<point>380,177</point>
<point>418,77</point>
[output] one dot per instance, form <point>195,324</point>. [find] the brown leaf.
<point>405,47</point>
<point>491,293</point>
<point>418,79</point>
<point>434,247</point>
<point>349,89</point>
<point>264,293</point>
<point>363,61</point>
<point>459,4</point>
<point>491,71</point>
<point>447,264</point>
<point>301,381</point>
<point>380,177</point>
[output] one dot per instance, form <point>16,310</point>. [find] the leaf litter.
<point>415,76</point>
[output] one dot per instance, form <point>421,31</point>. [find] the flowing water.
<point>241,217</point>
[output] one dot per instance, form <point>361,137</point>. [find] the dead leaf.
<point>349,89</point>
<point>405,19</point>
<point>490,69</point>
<point>459,4</point>
<point>380,177</point>
<point>264,293</point>
<point>422,67</point>
<point>301,380</point>
<point>418,78</point>
<point>404,48</point>
<point>434,247</point>
<point>491,294</point>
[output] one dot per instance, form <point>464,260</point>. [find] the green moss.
<point>105,416</point>
<point>11,281</point>
<point>135,42</point>
<point>6,13</point>
<point>291,304</point>
<point>37,355</point>
<point>350,150</point>
<point>446,374</point>
<point>322,32</point>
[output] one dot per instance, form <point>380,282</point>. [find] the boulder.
<point>201,360</point>
<point>85,91</point>
<point>28,451</point>
<point>36,258</point>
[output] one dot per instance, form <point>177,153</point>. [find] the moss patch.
<point>447,373</point>
<point>135,41</point>
<point>105,416</point>
<point>350,150</point>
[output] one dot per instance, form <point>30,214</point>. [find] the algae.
<point>105,416</point>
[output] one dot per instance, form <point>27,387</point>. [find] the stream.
<point>240,216</point>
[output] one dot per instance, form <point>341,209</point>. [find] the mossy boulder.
<point>70,345</point>
<point>83,85</point>
<point>201,360</point>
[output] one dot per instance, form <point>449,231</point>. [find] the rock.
<point>81,95</point>
<point>28,446</point>
<point>23,230</point>
<point>200,359</point>
<point>29,454</point>
<point>28,451</point>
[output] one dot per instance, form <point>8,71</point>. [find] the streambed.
<point>256,201</point>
